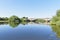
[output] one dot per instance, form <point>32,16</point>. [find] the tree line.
<point>14,18</point>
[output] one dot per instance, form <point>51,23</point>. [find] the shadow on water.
<point>56,29</point>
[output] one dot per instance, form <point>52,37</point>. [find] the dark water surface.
<point>27,32</point>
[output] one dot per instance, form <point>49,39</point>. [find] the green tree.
<point>55,18</point>
<point>58,13</point>
<point>14,20</point>
<point>24,19</point>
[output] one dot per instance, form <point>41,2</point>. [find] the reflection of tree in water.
<point>13,24</point>
<point>3,23</point>
<point>56,29</point>
<point>24,23</point>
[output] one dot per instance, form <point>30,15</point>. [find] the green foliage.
<point>3,19</point>
<point>24,23</point>
<point>56,18</point>
<point>23,19</point>
<point>58,23</point>
<point>14,21</point>
<point>58,13</point>
<point>56,29</point>
<point>13,24</point>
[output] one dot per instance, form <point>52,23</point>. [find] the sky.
<point>29,8</point>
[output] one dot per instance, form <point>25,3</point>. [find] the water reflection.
<point>13,24</point>
<point>24,23</point>
<point>3,23</point>
<point>41,31</point>
<point>56,29</point>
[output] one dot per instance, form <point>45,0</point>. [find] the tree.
<point>55,18</point>
<point>14,20</point>
<point>24,19</point>
<point>58,13</point>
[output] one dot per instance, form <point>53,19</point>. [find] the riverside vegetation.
<point>23,19</point>
<point>56,19</point>
<point>55,23</point>
<point>14,21</point>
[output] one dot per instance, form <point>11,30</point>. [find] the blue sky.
<point>29,8</point>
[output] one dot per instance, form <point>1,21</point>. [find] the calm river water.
<point>28,32</point>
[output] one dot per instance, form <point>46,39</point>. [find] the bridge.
<point>47,20</point>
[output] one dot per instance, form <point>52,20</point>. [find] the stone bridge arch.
<point>47,20</point>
